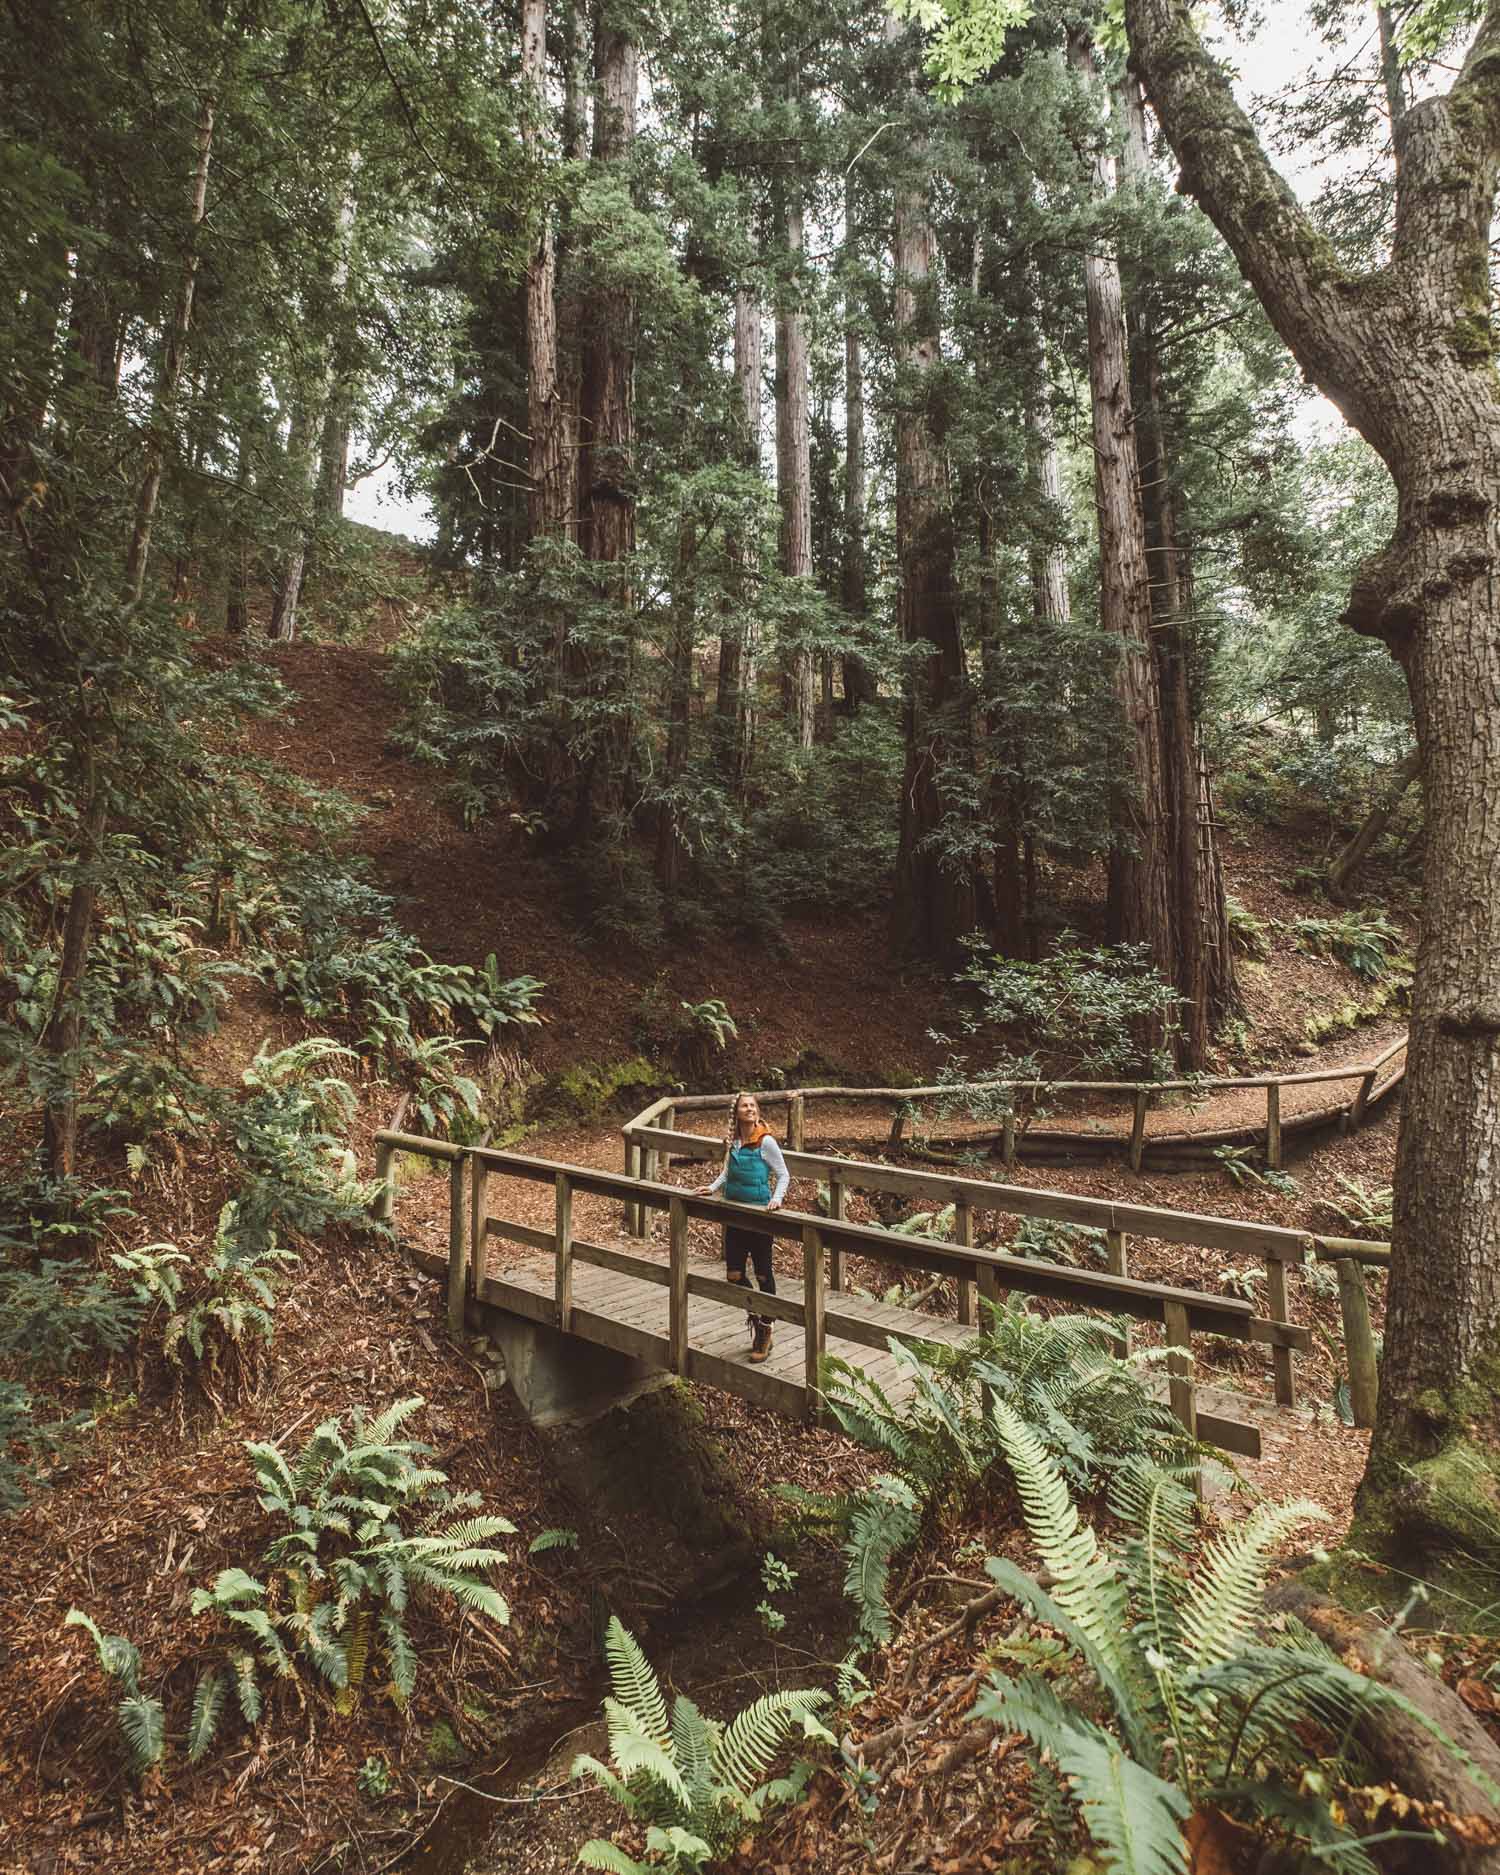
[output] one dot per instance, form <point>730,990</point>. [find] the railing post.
<point>632,1170</point>
<point>667,1121</point>
<point>479,1242</point>
<point>1117,1260</point>
<point>1138,1130</point>
<point>795,1122</point>
<point>1008,1136</point>
<point>562,1288</point>
<point>963,1234</point>
<point>458,1260</point>
<point>1273,1126</point>
<point>677,1324</point>
<point>385,1169</point>
<point>838,1199</point>
<point>988,1292</point>
<point>649,1172</point>
<point>814,1338</point>
<point>1359,1343</point>
<point>1180,1389</point>
<point>1361,1100</point>
<point>1281,1358</point>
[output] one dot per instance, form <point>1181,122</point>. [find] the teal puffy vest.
<point>748,1180</point>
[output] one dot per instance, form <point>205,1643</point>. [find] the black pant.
<point>741,1244</point>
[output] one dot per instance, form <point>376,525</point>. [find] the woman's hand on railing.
<point>773,1204</point>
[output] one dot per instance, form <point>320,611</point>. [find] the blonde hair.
<point>731,1132</point>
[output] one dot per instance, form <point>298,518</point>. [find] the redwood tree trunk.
<point>606,467</point>
<point>735,699</point>
<point>1139,910</point>
<point>1407,354</point>
<point>794,471</point>
<point>935,906</point>
<point>859,682</point>
<point>1204,968</point>
<point>546,417</point>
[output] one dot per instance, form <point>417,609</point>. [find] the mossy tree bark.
<point>1407,352</point>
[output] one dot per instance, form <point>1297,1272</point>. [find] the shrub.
<point>1081,1005</point>
<point>368,1529</point>
<point>695,1782</point>
<point>1364,1210</point>
<point>1200,1716</point>
<point>142,1721</point>
<point>1366,942</point>
<point>1247,933</point>
<point>1060,1374</point>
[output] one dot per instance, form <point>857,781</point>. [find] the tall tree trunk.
<point>1049,558</point>
<point>575,139</point>
<point>1407,353</point>
<point>304,433</point>
<point>546,417</point>
<point>61,1036</point>
<point>671,851</point>
<point>794,467</point>
<point>1204,972</point>
<point>859,680</point>
<point>1139,908</point>
<point>606,473</point>
<point>1350,857</point>
<point>735,699</point>
<point>164,405</point>
<point>935,906</point>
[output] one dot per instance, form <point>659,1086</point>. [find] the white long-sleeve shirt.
<point>771,1153</point>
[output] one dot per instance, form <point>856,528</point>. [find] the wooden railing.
<point>826,1241</point>
<point>1368,1090</point>
<point>649,1148</point>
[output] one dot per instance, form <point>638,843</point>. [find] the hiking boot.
<point>760,1347</point>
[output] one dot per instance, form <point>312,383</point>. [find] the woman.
<point>753,1172</point>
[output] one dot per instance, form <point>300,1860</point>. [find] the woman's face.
<point>747,1113</point>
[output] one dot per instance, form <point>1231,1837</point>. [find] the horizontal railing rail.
<point>1369,1091</point>
<point>649,1147</point>
<point>824,1241</point>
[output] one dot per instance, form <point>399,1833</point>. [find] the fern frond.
<point>586,1766</point>
<point>634,1750</point>
<point>1224,1596</point>
<point>692,1748</point>
<point>1088,1589</point>
<point>744,1753</point>
<point>246,1685</point>
<point>545,1540</point>
<point>634,1679</point>
<point>357,1647</point>
<point>1133,1815</point>
<point>208,1704</point>
<point>604,1855</point>
<point>144,1727</point>
<point>885,1519</point>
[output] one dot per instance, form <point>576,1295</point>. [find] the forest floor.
<point>159,1495</point>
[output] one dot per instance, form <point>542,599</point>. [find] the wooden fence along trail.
<point>674,1314</point>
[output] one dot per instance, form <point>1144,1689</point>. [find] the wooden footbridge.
<point>672,1312</point>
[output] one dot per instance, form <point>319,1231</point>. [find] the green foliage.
<point>1366,942</point>
<point>1061,1375</point>
<point>1240,1163</point>
<point>142,1721</point>
<point>696,1783</point>
<point>1248,934</point>
<point>369,1531</point>
<point>1364,1210</point>
<point>777,1578</point>
<point>1198,1709</point>
<point>1082,1005</point>
<point>1052,1242</point>
<point>555,1539</point>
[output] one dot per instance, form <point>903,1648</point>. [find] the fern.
<point>142,1721</point>
<point>208,1705</point>
<point>1193,1691</point>
<point>348,1562</point>
<point>885,1518</point>
<point>694,1782</point>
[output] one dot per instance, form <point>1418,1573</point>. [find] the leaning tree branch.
<point>1225,169</point>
